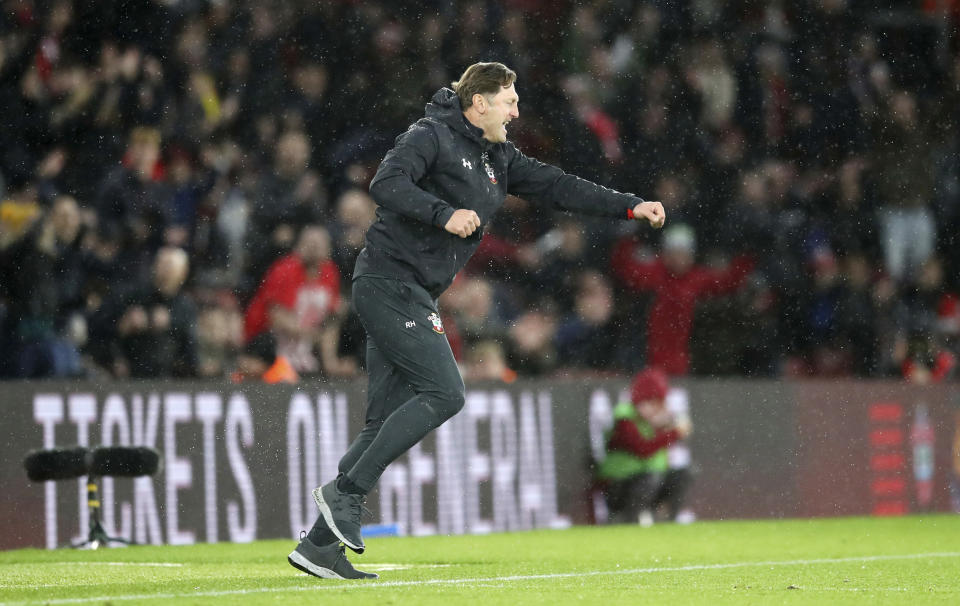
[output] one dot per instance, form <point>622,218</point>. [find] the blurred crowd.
<point>183,184</point>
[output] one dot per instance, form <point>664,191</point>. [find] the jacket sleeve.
<point>539,182</point>
<point>625,437</point>
<point>394,187</point>
<point>716,283</point>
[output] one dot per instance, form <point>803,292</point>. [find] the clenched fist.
<point>652,212</point>
<point>463,222</point>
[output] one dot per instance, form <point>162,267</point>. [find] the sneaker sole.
<point>301,563</point>
<point>328,518</point>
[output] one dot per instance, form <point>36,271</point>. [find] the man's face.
<point>65,218</point>
<point>314,245</point>
<point>497,111</point>
<point>292,154</point>
<point>144,156</point>
<point>678,260</point>
<point>170,270</point>
<point>655,412</point>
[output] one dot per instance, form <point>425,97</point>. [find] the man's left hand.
<point>652,212</point>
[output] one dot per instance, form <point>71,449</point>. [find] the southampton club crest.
<point>437,324</point>
<point>486,166</point>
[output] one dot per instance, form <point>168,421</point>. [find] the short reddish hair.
<point>484,79</point>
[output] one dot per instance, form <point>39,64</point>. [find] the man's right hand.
<point>463,222</point>
<point>652,212</point>
<point>133,320</point>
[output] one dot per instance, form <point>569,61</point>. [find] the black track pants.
<point>415,384</point>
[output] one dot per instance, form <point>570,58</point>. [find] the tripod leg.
<point>97,536</point>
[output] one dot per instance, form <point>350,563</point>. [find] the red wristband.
<point>630,214</point>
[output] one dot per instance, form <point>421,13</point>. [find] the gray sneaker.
<point>327,562</point>
<point>341,511</point>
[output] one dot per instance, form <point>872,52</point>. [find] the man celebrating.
<point>440,184</point>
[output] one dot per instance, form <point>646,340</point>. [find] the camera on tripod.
<point>109,461</point>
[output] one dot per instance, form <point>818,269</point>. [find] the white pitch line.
<point>159,564</point>
<point>392,567</point>
<point>487,580</point>
<point>857,589</point>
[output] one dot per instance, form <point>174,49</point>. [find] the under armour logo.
<point>467,164</point>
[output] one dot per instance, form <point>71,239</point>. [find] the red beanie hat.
<point>649,384</point>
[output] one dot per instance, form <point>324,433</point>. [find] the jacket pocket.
<point>437,262</point>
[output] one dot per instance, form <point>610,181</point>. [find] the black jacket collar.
<point>445,106</point>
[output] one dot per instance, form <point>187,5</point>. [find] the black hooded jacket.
<point>443,163</point>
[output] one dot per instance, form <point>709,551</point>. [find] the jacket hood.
<point>445,106</point>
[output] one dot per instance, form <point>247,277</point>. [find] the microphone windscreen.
<point>128,461</point>
<point>56,464</point>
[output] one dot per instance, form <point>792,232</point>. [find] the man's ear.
<point>480,102</point>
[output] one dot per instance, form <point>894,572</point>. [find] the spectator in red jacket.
<point>297,307</point>
<point>676,284</point>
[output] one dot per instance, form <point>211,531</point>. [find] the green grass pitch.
<point>910,560</point>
